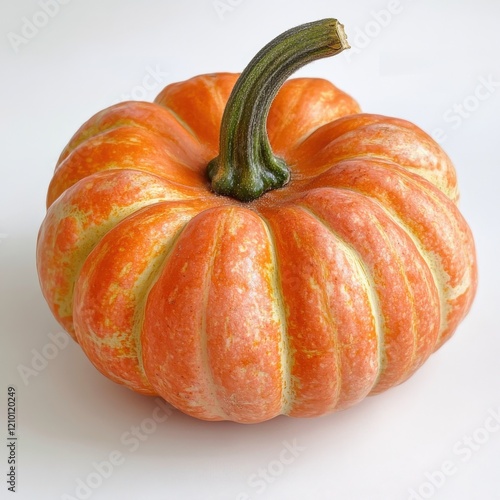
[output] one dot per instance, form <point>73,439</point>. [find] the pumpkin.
<point>251,245</point>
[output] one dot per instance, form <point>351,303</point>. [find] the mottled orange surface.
<point>303,302</point>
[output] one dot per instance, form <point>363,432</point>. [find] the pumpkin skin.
<point>301,302</point>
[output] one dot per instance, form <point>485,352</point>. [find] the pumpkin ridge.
<point>144,115</point>
<point>183,123</point>
<point>432,261</point>
<point>449,284</point>
<point>136,277</point>
<point>371,291</point>
<point>112,284</point>
<point>287,359</point>
<point>294,114</point>
<point>216,243</point>
<point>128,147</point>
<point>407,371</point>
<point>66,217</point>
<point>140,308</point>
<point>370,137</point>
<point>333,321</point>
<point>122,126</point>
<point>198,104</point>
<point>417,328</point>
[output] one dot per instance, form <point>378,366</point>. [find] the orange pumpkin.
<point>321,259</point>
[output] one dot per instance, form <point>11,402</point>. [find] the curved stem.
<point>246,166</point>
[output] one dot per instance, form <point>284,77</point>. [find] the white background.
<point>423,63</point>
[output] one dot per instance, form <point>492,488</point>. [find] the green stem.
<point>246,166</point>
